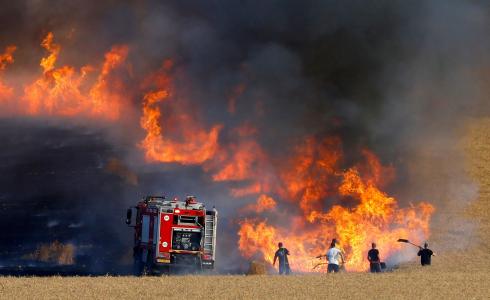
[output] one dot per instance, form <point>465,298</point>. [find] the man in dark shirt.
<point>425,255</point>
<point>373,257</point>
<point>282,253</point>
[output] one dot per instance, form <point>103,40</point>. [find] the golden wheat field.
<point>462,274</point>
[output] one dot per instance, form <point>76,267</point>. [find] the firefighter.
<point>425,255</point>
<point>282,253</point>
<point>333,255</point>
<point>374,261</point>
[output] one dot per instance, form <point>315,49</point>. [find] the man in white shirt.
<point>333,255</point>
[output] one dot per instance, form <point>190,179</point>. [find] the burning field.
<point>300,123</point>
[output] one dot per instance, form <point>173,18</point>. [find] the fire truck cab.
<point>171,233</point>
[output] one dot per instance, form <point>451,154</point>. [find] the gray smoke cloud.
<point>398,77</point>
<point>429,98</point>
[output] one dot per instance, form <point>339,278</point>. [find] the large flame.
<point>65,91</point>
<point>6,58</point>
<point>323,202</point>
<point>96,92</point>
<point>196,145</point>
<point>240,159</point>
<point>304,199</point>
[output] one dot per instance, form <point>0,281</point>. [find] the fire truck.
<point>172,234</point>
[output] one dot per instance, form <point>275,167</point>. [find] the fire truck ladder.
<point>209,234</point>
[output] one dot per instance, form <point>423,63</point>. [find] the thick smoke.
<point>398,77</point>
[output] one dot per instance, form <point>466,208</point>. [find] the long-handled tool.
<point>320,264</point>
<point>341,266</point>
<point>408,242</point>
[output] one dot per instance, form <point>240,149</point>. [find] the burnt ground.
<point>54,187</point>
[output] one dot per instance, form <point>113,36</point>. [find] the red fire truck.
<point>169,234</point>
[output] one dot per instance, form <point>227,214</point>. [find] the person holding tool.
<point>335,244</point>
<point>425,255</point>
<point>333,255</point>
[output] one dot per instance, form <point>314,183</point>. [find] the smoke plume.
<point>204,98</point>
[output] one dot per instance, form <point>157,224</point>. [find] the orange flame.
<point>360,214</point>
<point>62,91</point>
<point>47,63</point>
<point>303,200</point>
<point>196,146</point>
<point>255,188</point>
<point>239,160</point>
<point>264,203</point>
<point>6,58</point>
<point>240,166</point>
<point>105,101</point>
<point>6,92</point>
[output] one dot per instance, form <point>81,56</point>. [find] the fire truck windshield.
<point>184,240</point>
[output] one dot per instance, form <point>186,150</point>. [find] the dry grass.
<point>459,275</point>
<point>415,285</point>
<point>258,268</point>
<point>478,151</point>
<point>56,252</point>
